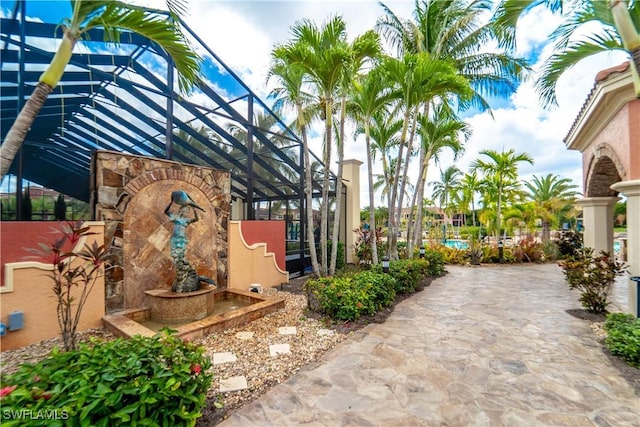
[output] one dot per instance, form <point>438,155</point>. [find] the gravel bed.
<point>253,358</point>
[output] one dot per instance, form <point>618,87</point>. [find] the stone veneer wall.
<point>130,194</point>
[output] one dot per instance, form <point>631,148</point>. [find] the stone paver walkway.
<point>482,346</point>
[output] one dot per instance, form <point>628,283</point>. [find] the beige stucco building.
<point>607,133</point>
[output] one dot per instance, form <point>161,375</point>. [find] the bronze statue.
<point>187,278</point>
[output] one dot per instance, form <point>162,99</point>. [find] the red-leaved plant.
<point>74,275</point>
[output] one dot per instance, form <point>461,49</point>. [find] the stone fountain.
<point>153,274</point>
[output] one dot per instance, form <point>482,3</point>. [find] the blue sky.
<point>242,34</point>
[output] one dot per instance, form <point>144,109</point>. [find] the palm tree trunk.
<point>372,214</point>
<point>336,215</point>
<point>405,178</point>
<point>324,207</point>
<point>629,35</point>
<point>393,188</point>
<point>18,132</point>
<point>308,184</point>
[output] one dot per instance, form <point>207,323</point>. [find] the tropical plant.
<point>623,337</point>
<point>610,25</point>
<point>593,276</point>
<point>291,95</point>
<point>370,97</point>
<point>551,194</point>
<point>114,18</point>
<point>500,171</point>
<point>74,274</point>
<point>159,380</point>
<point>454,31</point>
<point>444,189</point>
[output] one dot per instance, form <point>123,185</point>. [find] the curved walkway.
<point>482,346</point>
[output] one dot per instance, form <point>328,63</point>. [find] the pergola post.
<point>597,217</point>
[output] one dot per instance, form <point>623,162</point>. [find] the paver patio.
<point>482,346</point>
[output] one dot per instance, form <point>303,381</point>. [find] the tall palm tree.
<point>414,79</point>
<point>363,49</point>
<point>369,97</point>
<point>455,31</point>
<point>114,17</point>
<point>619,22</point>
<point>443,131</point>
<point>550,195</point>
<point>291,95</point>
<point>500,169</point>
<point>469,187</point>
<point>444,190</point>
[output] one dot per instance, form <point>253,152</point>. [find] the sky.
<point>243,33</point>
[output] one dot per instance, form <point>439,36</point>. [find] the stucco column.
<point>351,179</point>
<point>631,189</point>
<point>597,219</point>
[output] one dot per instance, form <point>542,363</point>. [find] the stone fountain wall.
<point>130,194</point>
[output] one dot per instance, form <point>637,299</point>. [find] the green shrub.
<point>342,298</point>
<point>435,263</point>
<point>623,337</point>
<point>407,273</point>
<point>593,277</point>
<point>147,381</point>
<point>382,287</point>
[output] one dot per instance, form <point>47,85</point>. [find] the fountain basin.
<point>179,307</point>
<point>132,322</point>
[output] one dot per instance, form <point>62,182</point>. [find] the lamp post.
<point>421,252</point>
<point>385,264</point>
<point>501,251</point>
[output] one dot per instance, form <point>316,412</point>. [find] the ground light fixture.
<point>422,251</point>
<point>385,264</point>
<point>501,251</point>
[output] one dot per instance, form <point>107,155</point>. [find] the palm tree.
<point>444,190</point>
<point>414,79</point>
<point>619,21</point>
<point>457,30</point>
<point>443,131</point>
<point>550,194</point>
<point>501,172</point>
<point>469,186</point>
<point>292,95</point>
<point>114,17</point>
<point>363,48</point>
<point>369,98</point>
<point>453,31</point>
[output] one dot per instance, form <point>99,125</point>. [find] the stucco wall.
<point>27,286</point>
<point>269,232</point>
<point>253,264</point>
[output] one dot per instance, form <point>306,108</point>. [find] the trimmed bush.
<point>623,337</point>
<point>145,381</point>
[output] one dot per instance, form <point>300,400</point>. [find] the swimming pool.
<point>457,244</point>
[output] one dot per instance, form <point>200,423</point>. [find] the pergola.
<point>124,98</point>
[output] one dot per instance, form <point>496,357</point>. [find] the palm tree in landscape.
<point>443,131</point>
<point>329,63</point>
<point>454,31</point>
<point>616,28</point>
<point>291,95</point>
<point>369,98</point>
<point>550,194</point>
<point>114,17</point>
<point>445,189</point>
<point>500,170</point>
<point>470,185</point>
<point>414,79</point>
